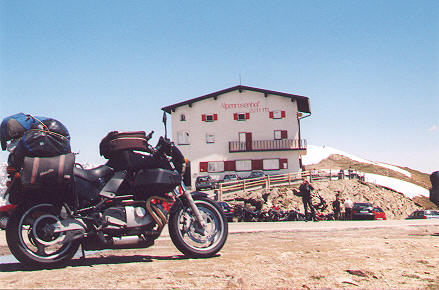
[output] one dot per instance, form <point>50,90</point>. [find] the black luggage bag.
<point>47,138</point>
<point>56,172</point>
<point>116,142</point>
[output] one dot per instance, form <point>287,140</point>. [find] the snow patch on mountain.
<point>315,154</point>
<point>408,189</point>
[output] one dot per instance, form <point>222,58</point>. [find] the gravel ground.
<point>396,257</point>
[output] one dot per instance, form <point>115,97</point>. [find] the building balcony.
<point>267,145</point>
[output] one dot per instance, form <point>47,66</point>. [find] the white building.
<point>240,129</point>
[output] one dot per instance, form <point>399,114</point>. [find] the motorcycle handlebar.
<point>149,136</point>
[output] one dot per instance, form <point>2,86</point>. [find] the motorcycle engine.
<point>127,217</point>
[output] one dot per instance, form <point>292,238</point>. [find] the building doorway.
<point>245,140</point>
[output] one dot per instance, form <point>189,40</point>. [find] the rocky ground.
<point>394,204</point>
<point>389,258</point>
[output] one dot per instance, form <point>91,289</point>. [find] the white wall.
<point>227,129</point>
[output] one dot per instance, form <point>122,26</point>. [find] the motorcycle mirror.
<point>164,120</point>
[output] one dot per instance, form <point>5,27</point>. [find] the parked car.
<point>227,209</point>
<point>363,211</point>
<point>256,174</point>
<point>205,182</point>
<point>379,213</point>
<point>424,214</point>
<point>231,177</point>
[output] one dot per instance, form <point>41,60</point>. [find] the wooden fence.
<point>261,182</point>
<point>270,181</point>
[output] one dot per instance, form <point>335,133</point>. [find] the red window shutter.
<point>247,116</point>
<point>284,134</point>
<point>235,116</point>
<point>283,163</point>
<point>215,117</point>
<point>203,166</point>
<point>203,117</point>
<point>282,114</point>
<point>257,164</point>
<point>229,166</point>
<point>271,115</point>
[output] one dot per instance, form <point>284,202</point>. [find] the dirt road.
<point>404,256</point>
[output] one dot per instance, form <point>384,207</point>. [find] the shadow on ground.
<point>89,262</point>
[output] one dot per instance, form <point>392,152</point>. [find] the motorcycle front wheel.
<point>31,240</point>
<point>190,238</point>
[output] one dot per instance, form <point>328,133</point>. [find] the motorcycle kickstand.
<point>83,252</point>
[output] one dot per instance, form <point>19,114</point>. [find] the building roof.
<point>302,102</point>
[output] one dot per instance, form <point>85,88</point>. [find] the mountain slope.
<point>330,158</point>
<point>337,162</point>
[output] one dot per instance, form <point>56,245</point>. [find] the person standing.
<point>348,205</point>
<point>341,174</point>
<point>305,191</point>
<point>336,206</point>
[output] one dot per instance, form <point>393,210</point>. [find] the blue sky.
<point>370,68</point>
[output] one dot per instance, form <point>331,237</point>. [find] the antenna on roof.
<point>239,79</point>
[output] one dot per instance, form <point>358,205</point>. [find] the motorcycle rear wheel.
<point>187,235</point>
<point>30,241</point>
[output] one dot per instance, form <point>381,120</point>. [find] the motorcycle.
<point>325,217</point>
<point>44,231</point>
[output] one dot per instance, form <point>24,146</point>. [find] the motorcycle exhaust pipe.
<point>129,243</point>
<point>123,241</point>
<point>93,243</point>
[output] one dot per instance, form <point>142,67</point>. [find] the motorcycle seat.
<point>94,174</point>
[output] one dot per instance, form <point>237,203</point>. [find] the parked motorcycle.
<point>325,217</point>
<point>112,207</point>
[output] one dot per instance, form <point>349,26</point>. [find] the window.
<point>271,164</point>
<point>280,134</point>
<point>182,117</point>
<point>183,138</point>
<point>210,138</point>
<point>241,116</point>
<point>277,114</point>
<point>209,117</point>
<point>215,166</point>
<point>243,165</point>
<point>212,166</point>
